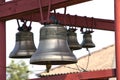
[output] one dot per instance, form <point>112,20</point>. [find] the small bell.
<point>72,39</point>
<point>53,47</point>
<point>24,47</point>
<point>87,40</point>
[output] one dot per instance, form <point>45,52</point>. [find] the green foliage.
<point>17,71</point>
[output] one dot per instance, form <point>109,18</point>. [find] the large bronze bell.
<point>72,39</point>
<point>24,47</point>
<point>87,40</point>
<point>53,48</point>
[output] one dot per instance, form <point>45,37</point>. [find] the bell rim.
<point>53,62</point>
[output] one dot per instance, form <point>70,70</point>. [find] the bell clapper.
<point>48,67</point>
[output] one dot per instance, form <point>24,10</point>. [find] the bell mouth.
<point>21,54</point>
<point>53,62</point>
<point>55,58</point>
<point>75,47</point>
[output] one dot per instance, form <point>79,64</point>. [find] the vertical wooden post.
<point>117,37</point>
<point>2,49</point>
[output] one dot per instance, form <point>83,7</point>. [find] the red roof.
<point>83,75</point>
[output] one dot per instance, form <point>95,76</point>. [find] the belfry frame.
<point>29,10</point>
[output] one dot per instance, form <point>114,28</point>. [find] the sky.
<point>94,8</point>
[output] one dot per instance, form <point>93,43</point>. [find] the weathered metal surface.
<point>53,47</point>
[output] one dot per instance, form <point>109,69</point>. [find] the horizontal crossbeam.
<point>77,21</point>
<point>16,8</point>
<point>29,10</point>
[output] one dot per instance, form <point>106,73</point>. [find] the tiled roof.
<point>91,75</point>
<point>98,60</point>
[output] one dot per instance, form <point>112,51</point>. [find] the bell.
<point>53,48</point>
<point>72,39</point>
<point>87,40</point>
<point>24,47</point>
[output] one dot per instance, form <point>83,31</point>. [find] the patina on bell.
<point>72,39</point>
<point>53,48</point>
<point>24,46</point>
<point>87,40</point>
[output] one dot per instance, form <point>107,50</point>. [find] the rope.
<point>41,12</point>
<point>88,59</point>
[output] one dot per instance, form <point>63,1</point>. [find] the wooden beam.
<point>74,20</point>
<point>117,37</point>
<point>2,48</point>
<point>21,7</point>
<point>29,10</point>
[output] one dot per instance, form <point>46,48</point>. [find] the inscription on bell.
<point>22,36</point>
<point>53,32</point>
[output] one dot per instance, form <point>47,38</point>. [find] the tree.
<point>17,71</point>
